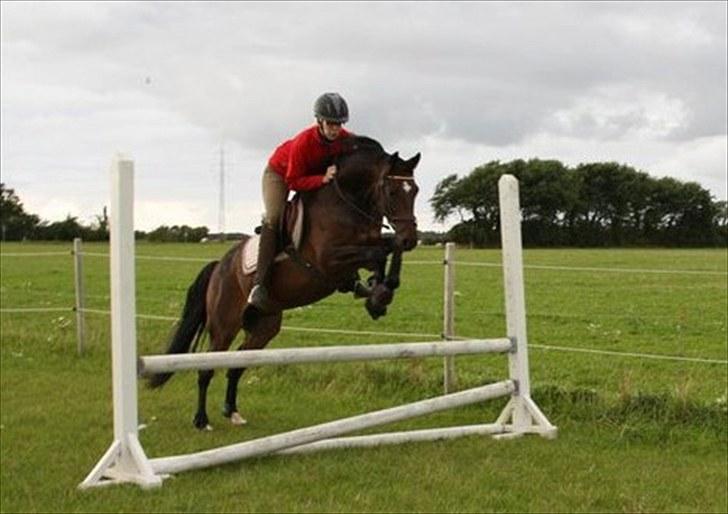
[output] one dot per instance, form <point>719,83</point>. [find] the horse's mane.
<point>358,148</point>
<point>356,145</point>
<point>359,158</point>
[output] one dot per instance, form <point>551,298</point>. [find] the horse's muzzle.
<point>406,241</point>
<point>405,232</point>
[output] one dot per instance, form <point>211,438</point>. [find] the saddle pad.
<point>250,255</point>
<point>250,248</point>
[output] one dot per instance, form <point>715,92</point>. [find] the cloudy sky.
<point>170,84</point>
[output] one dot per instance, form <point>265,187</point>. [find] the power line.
<point>221,211</point>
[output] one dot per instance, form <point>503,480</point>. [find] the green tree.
<point>720,222</point>
<point>687,214</point>
<point>593,204</point>
<point>65,230</point>
<point>602,209</point>
<point>177,233</point>
<point>474,199</point>
<point>15,223</point>
<point>548,195</point>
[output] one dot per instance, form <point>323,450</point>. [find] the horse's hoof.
<point>237,419</point>
<point>361,291</point>
<point>208,428</point>
<point>381,295</point>
<point>201,423</point>
<point>375,309</point>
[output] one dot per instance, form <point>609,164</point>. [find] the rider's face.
<point>330,129</point>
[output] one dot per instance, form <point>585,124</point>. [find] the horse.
<point>342,233</point>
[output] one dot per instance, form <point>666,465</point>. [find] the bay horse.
<point>342,233</point>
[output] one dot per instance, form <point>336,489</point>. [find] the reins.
<point>355,207</point>
<point>368,215</point>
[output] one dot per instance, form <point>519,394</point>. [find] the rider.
<point>297,164</point>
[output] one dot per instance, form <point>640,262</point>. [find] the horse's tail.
<point>192,323</point>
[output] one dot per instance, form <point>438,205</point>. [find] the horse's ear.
<point>414,161</point>
<point>391,163</point>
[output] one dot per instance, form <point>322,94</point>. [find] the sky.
<point>188,89</point>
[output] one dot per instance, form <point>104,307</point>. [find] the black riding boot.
<point>266,254</point>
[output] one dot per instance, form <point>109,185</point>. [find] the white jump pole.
<point>387,438</point>
<point>254,358</point>
<point>525,414</point>
<point>270,444</point>
<point>125,460</point>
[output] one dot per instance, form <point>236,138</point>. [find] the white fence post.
<point>78,276</point>
<point>125,460</point>
<point>448,329</point>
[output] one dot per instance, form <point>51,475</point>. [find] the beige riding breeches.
<point>275,194</point>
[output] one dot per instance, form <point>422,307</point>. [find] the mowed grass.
<point>636,434</point>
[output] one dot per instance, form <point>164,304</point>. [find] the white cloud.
<point>702,160</point>
<point>622,112</point>
<point>463,82</point>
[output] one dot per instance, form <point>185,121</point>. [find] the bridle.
<point>395,219</point>
<point>369,216</point>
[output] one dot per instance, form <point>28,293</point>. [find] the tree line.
<point>593,204</point>
<point>17,225</point>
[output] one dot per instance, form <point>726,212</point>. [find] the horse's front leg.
<point>372,257</point>
<point>357,256</point>
<point>362,289</point>
<point>355,285</point>
<point>336,261</point>
<point>382,292</point>
<point>395,268</point>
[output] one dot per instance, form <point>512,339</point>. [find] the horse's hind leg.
<point>201,421</point>
<point>219,341</point>
<point>266,329</point>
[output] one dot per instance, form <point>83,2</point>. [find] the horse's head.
<point>399,191</point>
<point>383,186</point>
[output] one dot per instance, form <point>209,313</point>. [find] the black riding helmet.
<point>331,107</point>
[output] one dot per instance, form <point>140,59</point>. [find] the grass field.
<point>636,434</point>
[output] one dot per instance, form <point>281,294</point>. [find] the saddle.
<point>290,235</point>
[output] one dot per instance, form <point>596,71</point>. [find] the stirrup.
<point>258,296</point>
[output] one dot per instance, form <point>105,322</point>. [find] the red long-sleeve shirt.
<point>302,161</point>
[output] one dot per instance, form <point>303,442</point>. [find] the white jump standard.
<point>125,461</point>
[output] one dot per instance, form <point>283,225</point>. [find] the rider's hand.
<point>330,172</point>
